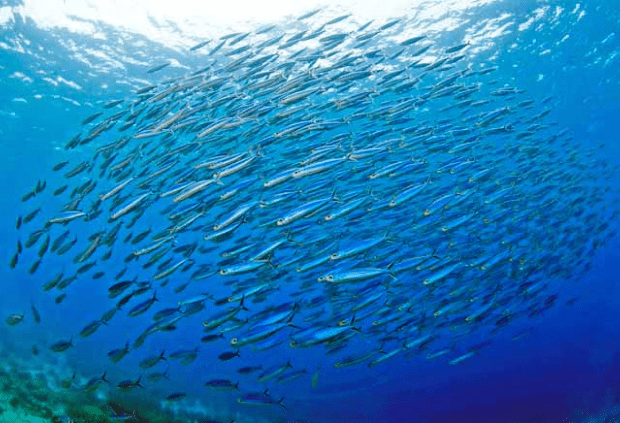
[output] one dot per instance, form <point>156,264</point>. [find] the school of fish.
<point>309,189</point>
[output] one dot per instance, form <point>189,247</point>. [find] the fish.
<point>249,369</point>
<point>185,357</point>
<point>151,361</point>
<point>158,67</point>
<point>67,382</point>
<point>14,260</point>
<point>260,399</point>
<point>35,313</point>
<point>118,354</point>
<point>199,45</point>
<point>211,338</point>
<point>86,121</point>
<point>14,319</point>
<point>91,328</point>
<point>175,396</point>
<point>222,385</point>
<point>228,355</point>
<point>143,306</point>
<point>333,183</point>
<point>61,346</point>
<point>127,385</point>
<point>93,384</point>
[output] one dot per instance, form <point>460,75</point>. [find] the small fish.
<point>91,328</point>
<point>260,399</point>
<point>176,396</point>
<point>149,362</point>
<point>118,354</point>
<point>60,190</point>
<point>14,260</point>
<point>28,196</point>
<point>59,166</point>
<point>40,186</point>
<point>157,376</point>
<point>185,357</point>
<point>228,355</point>
<point>35,313</point>
<point>199,45</point>
<point>249,369</point>
<point>93,384</point>
<point>127,385</point>
<point>222,385</point>
<point>84,122</point>
<point>14,319</point>
<point>315,379</point>
<point>62,346</point>
<point>158,67</point>
<point>214,337</point>
<point>67,382</point>
<point>28,218</point>
<point>143,306</point>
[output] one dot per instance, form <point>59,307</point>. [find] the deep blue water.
<point>565,369</point>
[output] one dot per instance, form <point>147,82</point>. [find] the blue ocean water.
<point>562,367</point>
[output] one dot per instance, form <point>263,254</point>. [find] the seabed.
<point>32,392</point>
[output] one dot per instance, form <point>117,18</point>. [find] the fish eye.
<point>222,271</point>
<point>216,227</point>
<point>240,400</point>
<point>375,322</point>
<point>205,323</point>
<point>328,217</point>
<point>320,278</point>
<point>392,204</point>
<point>329,278</point>
<point>427,212</point>
<point>337,365</point>
<point>233,341</point>
<point>334,256</point>
<point>292,344</point>
<point>280,222</point>
<point>230,299</point>
<point>342,323</point>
